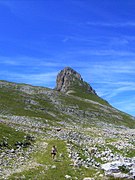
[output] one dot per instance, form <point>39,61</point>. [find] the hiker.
<point>53,152</point>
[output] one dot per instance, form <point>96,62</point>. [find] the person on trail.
<point>54,151</point>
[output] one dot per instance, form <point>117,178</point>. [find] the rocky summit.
<point>68,80</point>
<point>94,140</point>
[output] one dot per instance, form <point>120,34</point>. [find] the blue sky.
<point>38,38</point>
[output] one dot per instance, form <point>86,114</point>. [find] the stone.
<point>111,166</point>
<point>67,78</point>
<point>100,175</point>
<point>12,150</point>
<point>120,175</point>
<point>68,177</point>
<point>53,167</point>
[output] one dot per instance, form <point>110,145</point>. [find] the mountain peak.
<point>70,80</point>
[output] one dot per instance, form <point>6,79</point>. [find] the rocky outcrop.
<point>68,79</point>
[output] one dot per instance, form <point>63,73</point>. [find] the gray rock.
<point>53,167</point>
<point>68,177</point>
<point>67,77</point>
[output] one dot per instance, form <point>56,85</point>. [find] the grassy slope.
<point>45,169</point>
<point>13,101</point>
<point>10,135</point>
<point>125,119</point>
<point>16,102</point>
<point>80,90</point>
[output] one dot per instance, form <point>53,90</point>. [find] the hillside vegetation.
<point>87,130</point>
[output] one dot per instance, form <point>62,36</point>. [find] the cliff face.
<point>69,79</point>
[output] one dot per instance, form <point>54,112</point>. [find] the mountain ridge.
<point>79,122</point>
<point>80,92</point>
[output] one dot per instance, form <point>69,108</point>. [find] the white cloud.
<point>116,24</point>
<point>109,52</point>
<point>8,61</point>
<point>111,68</point>
<point>117,91</point>
<point>111,79</point>
<point>126,105</point>
<point>29,61</point>
<point>46,79</point>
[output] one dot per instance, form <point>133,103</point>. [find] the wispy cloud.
<point>110,78</point>
<point>11,5</point>
<point>117,91</point>
<point>29,61</point>
<point>7,61</point>
<point>44,79</point>
<point>115,67</point>
<point>115,24</point>
<point>108,52</point>
<point>126,105</point>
